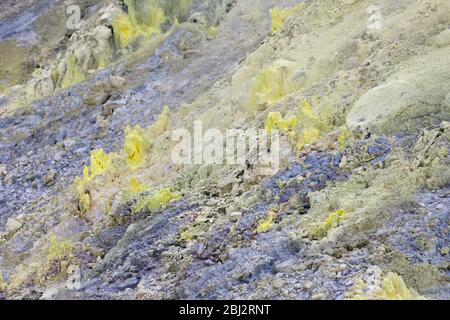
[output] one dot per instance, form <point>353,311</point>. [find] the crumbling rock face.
<point>92,205</point>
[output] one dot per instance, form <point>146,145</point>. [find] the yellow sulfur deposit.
<point>303,128</point>
<point>84,202</point>
<point>126,31</point>
<point>301,153</point>
<point>59,250</point>
<point>310,125</point>
<point>306,111</point>
<point>393,288</point>
<point>100,162</point>
<point>279,15</point>
<point>270,86</point>
<point>332,221</point>
<point>275,121</point>
<point>161,124</point>
<point>158,200</point>
<point>308,136</point>
<point>144,18</point>
<point>343,137</point>
<point>74,73</point>
<point>136,187</point>
<point>135,146</point>
<point>266,224</point>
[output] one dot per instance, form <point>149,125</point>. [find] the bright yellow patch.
<point>332,221</point>
<point>144,20</point>
<point>100,162</point>
<point>135,146</point>
<point>275,121</point>
<point>306,111</point>
<point>74,73</point>
<point>266,224</point>
<point>303,128</point>
<point>270,86</point>
<point>85,178</point>
<point>343,137</point>
<point>84,202</point>
<point>279,15</point>
<point>310,125</point>
<point>136,187</point>
<point>308,136</point>
<point>59,250</point>
<point>186,235</point>
<point>392,288</point>
<point>158,200</point>
<point>124,31</point>
<point>161,124</point>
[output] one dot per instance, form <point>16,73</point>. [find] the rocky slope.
<point>93,207</point>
